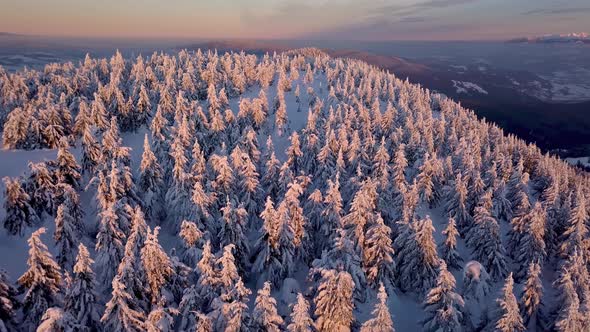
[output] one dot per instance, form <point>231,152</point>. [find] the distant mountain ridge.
<point>581,37</point>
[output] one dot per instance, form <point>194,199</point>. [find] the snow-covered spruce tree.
<point>444,307</point>
<point>484,239</point>
<point>41,282</point>
<point>381,321</point>
<point>109,245</point>
<point>264,315</point>
<point>362,214</point>
<point>119,315</point>
<point>429,184</point>
<point>517,185</point>
<point>506,316</point>
<point>294,154</point>
<point>419,271</point>
<point>161,318</point>
<point>267,248</point>
<point>333,302</point>
<point>192,240</point>
<point>531,247</point>
<point>378,261</point>
<point>81,299</point>
<point>575,236</point>
<point>531,304</point>
<point>41,188</point>
<point>56,319</point>
<point>568,316</point>
<point>91,152</point>
<point>67,168</point>
<point>130,270</point>
<point>518,224</point>
<point>66,238</point>
<point>230,309</point>
<point>448,247</point>
<point>208,277</point>
<point>233,231</point>
<point>19,212</point>
<point>294,226</point>
<point>342,257</point>
<point>476,282</point>
<point>247,180</point>
<point>300,319</point>
<point>161,142</point>
<point>67,196</point>
<point>332,213</point>
<point>457,203</point>
<point>8,303</point>
<point>188,309</point>
<point>151,182</point>
<point>156,264</point>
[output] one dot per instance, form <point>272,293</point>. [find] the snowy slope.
<point>405,307</point>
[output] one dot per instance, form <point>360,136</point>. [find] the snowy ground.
<point>406,309</point>
<point>468,87</point>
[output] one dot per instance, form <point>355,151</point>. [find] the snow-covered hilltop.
<point>582,37</point>
<point>294,191</point>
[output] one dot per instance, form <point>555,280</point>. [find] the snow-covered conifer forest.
<point>289,192</point>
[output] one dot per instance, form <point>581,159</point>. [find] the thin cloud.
<point>419,7</point>
<point>557,11</point>
<point>413,19</point>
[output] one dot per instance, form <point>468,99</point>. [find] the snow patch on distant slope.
<point>468,87</point>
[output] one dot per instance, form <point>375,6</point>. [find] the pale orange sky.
<point>378,19</point>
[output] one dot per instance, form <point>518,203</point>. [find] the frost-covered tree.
<point>448,247</point>
<point>67,168</point>
<point>362,214</point>
<point>109,245</point>
<point>56,319</point>
<point>531,247</point>
<point>265,316</point>
<point>151,181</point>
<point>569,317</point>
<point>476,281</point>
<point>333,302</point>
<point>81,299</point>
<point>230,309</point>
<point>300,319</point>
<point>119,315</point>
<point>66,238</point>
<point>381,320</point>
<point>208,276</point>
<point>444,307</point>
<point>160,319</point>
<point>575,236</point>
<point>531,304</point>
<point>41,282</point>
<point>419,270</point>
<point>428,181</point>
<point>188,309</point>
<point>41,187</point>
<point>506,316</point>
<point>233,231</point>
<point>19,212</point>
<point>91,152</point>
<point>156,264</point>
<point>484,239</point>
<point>457,202</point>
<point>192,238</point>
<point>8,303</point>
<point>267,248</point>
<point>378,261</point>
<point>130,270</point>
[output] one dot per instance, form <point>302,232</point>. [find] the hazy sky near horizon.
<point>276,19</point>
